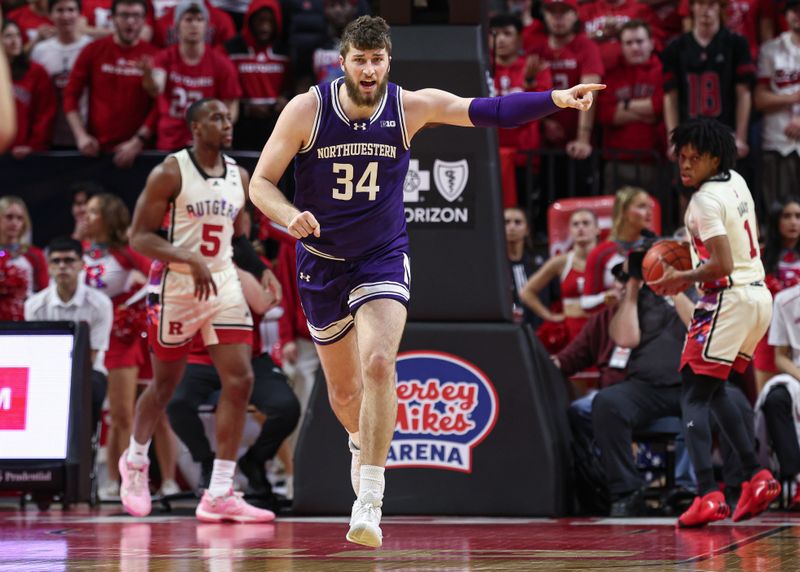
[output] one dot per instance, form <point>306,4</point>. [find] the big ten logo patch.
<point>446,407</point>
<point>13,398</point>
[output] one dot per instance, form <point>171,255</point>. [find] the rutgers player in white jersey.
<point>199,192</point>
<point>729,319</point>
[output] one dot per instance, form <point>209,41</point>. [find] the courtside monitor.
<point>45,410</point>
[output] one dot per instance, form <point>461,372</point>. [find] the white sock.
<point>355,439</point>
<point>137,454</point>
<point>221,477</point>
<point>372,481</point>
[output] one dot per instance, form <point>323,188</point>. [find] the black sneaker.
<point>256,476</point>
<point>630,505</point>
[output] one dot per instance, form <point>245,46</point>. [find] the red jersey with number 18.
<point>724,206</point>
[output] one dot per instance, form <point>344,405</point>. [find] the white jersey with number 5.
<point>724,206</point>
<point>201,217</point>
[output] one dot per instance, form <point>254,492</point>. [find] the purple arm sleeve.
<point>511,110</point>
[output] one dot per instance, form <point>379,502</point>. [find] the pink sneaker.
<point>232,508</point>
<point>134,492</point>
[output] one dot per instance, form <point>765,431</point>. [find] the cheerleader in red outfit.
<point>782,265</point>
<point>569,267</point>
<point>115,269</point>
<point>23,268</point>
<point>632,217</point>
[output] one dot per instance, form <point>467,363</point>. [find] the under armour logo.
<point>306,277</point>
<point>690,424</point>
<point>360,126</point>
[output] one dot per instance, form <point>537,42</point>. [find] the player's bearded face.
<point>366,75</point>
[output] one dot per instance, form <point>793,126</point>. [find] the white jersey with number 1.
<point>724,206</point>
<point>202,215</point>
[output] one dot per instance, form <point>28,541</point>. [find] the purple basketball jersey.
<point>350,175</point>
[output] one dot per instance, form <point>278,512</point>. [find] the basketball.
<point>671,252</point>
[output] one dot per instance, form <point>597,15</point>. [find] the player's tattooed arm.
<point>292,132</point>
<point>162,186</point>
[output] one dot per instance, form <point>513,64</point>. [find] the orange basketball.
<point>671,252</point>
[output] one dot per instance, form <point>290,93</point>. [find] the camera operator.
<point>654,328</point>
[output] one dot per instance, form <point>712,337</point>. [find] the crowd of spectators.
<point>737,61</point>
<point>116,76</point>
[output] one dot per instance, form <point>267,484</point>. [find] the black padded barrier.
<point>521,466</point>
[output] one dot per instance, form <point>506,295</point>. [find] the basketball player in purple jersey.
<point>351,139</point>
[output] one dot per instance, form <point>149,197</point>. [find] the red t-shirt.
<point>28,22</point>
<point>263,74</point>
<point>742,17</point>
<point>568,64</point>
<point>220,27</point>
<point>105,67</point>
<point>511,79</point>
<point>214,76</point>
<point>36,102</point>
<point>632,82</point>
<point>602,15</point>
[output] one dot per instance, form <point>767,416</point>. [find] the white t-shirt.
<point>87,305</point>
<point>58,59</point>
<point>785,327</point>
<point>779,66</point>
<point>726,207</point>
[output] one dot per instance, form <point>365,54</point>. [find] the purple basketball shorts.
<point>332,289</point>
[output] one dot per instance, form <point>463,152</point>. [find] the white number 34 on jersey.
<point>366,184</point>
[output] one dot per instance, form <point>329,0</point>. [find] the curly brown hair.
<point>366,33</point>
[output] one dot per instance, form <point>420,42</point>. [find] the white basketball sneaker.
<point>365,521</point>
<point>355,465</point>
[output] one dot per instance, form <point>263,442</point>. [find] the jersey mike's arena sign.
<point>446,406</point>
<point>436,193</point>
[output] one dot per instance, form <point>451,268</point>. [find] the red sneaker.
<point>705,509</point>
<point>757,493</point>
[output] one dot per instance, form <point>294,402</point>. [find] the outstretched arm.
<point>437,106</point>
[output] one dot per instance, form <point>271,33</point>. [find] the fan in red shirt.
<point>123,123</point>
<point>514,72</point>
<point>185,73</point>
<point>263,73</point>
<point>753,19</point>
<point>630,110</point>
<point>34,22</point>
<point>34,96</point>
<point>572,58</point>
<point>603,21</point>
<point>220,27</point>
